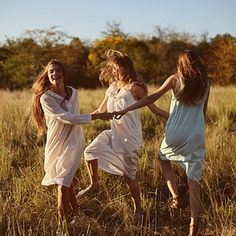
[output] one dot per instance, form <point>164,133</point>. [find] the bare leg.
<point>194,200</point>
<point>135,192</point>
<point>169,174</point>
<point>94,186</point>
<point>63,206</point>
<point>73,201</point>
<point>92,167</point>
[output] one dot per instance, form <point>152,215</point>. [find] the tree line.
<point>154,56</point>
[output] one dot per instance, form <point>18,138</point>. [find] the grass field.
<point>28,208</point>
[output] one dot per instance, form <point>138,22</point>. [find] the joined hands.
<point>108,115</point>
<point>119,114</point>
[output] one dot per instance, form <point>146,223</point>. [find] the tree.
<point>138,51</point>
<point>4,54</point>
<point>18,67</point>
<point>75,58</point>
<point>221,59</point>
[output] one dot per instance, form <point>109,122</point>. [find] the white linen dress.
<point>65,139</point>
<point>117,149</point>
<point>184,137</point>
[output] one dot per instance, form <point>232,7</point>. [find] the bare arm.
<point>156,110</point>
<point>139,93</point>
<point>102,107</point>
<point>102,116</point>
<point>101,112</point>
<point>167,85</point>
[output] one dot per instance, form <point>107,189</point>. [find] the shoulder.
<point>113,85</point>
<point>46,98</point>
<point>73,93</point>
<point>173,79</point>
<point>171,82</point>
<point>72,90</point>
<point>46,95</point>
<point>112,89</point>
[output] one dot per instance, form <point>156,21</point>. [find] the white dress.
<point>65,139</point>
<point>117,149</point>
<point>184,137</point>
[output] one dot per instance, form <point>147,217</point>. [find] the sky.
<point>87,19</point>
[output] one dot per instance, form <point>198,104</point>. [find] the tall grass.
<point>27,208</point>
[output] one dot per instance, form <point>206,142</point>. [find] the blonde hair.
<point>40,86</point>
<point>125,69</point>
<point>192,79</point>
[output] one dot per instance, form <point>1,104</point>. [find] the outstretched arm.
<point>52,108</point>
<point>102,107</point>
<point>156,110</point>
<point>139,93</point>
<point>167,85</point>
<point>101,112</point>
<point>102,116</point>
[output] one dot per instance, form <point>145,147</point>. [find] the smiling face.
<point>55,75</point>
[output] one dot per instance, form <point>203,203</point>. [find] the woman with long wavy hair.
<point>116,150</point>
<point>184,137</point>
<point>55,110</point>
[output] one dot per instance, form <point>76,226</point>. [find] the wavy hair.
<point>40,86</point>
<point>192,78</point>
<point>125,72</point>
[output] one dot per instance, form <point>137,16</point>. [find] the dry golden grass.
<point>27,208</point>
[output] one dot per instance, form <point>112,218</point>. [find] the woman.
<point>55,110</point>
<point>184,138</point>
<point>116,150</point>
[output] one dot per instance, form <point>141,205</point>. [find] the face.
<point>55,75</point>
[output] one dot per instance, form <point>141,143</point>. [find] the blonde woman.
<point>116,150</point>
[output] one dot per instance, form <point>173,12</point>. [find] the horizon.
<point>88,20</point>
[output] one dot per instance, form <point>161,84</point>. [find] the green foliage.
<point>154,56</point>
<point>221,59</point>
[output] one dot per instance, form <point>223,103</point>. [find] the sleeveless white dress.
<point>65,139</point>
<point>117,149</point>
<point>184,137</point>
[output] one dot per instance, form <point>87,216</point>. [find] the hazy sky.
<point>86,19</point>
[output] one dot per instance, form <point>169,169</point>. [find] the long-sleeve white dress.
<point>117,149</point>
<point>65,139</point>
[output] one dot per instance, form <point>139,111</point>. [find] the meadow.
<point>28,208</point>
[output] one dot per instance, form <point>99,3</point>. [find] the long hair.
<point>40,86</point>
<point>192,78</point>
<point>125,72</point>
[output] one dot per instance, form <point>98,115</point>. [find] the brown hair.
<point>126,72</point>
<point>192,78</point>
<point>41,85</point>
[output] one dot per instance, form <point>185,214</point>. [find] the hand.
<point>119,114</point>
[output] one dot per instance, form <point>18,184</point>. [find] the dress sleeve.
<point>53,109</point>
